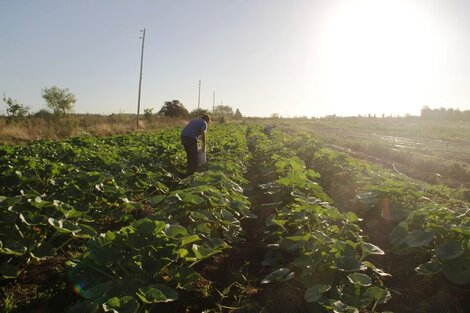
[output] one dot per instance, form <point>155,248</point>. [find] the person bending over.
<point>194,129</point>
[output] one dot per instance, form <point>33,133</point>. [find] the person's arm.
<point>203,137</point>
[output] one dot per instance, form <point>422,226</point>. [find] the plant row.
<point>54,193</point>
<point>429,225</point>
<point>148,262</point>
<point>311,243</point>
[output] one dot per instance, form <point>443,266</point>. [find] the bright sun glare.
<point>376,56</point>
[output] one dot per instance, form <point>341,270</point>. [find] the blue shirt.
<point>194,128</point>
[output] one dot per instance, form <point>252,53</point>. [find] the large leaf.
<point>202,252</point>
<point>9,271</point>
<point>281,274</point>
<point>157,293</point>
<point>12,247</point>
<point>85,306</point>
<point>449,249</point>
<point>429,268</point>
<point>145,226</point>
<point>461,230</point>
<point>398,235</point>
<point>378,294</point>
<point>457,270</point>
<point>360,279</point>
<point>419,238</point>
<point>86,232</point>
<point>314,293</point>
<point>349,264</point>
<point>340,307</point>
<point>368,248</point>
<point>43,251</point>
<point>126,304</point>
<point>105,255</point>
<point>176,231</point>
<point>64,226</point>
<point>30,218</point>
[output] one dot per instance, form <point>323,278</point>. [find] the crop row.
<point>429,224</point>
<point>148,262</point>
<point>311,243</point>
<point>55,193</point>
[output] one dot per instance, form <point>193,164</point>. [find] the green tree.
<point>238,115</point>
<point>61,101</point>
<point>198,113</point>
<point>15,109</point>
<point>173,109</point>
<point>148,113</point>
<point>225,110</point>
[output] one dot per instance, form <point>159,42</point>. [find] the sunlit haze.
<point>294,58</point>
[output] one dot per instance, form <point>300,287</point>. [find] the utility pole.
<point>213,102</point>
<point>140,78</point>
<point>199,98</point>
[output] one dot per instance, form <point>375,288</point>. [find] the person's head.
<point>206,118</point>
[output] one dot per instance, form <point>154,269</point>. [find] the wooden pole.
<point>140,78</point>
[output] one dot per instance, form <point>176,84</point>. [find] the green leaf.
<point>198,216</point>
<point>145,226</point>
<point>368,248</point>
<point>86,232</point>
<point>429,268</point>
<point>456,270</point>
<point>202,252</point>
<point>13,247</point>
<point>85,306</point>
<point>349,264</point>
<point>43,251</point>
<point>190,239</point>
<point>378,294</point>
<point>30,218</point>
<point>398,235</point>
<point>314,293</point>
<point>340,307</point>
<point>449,249</point>
<point>96,291</point>
<point>419,238</point>
<point>9,271</point>
<point>157,199</point>
<point>190,198</point>
<point>157,293</point>
<point>126,304</point>
<point>64,226</point>
<point>105,255</point>
<point>360,279</point>
<point>176,231</point>
<point>281,274</point>
<point>461,230</point>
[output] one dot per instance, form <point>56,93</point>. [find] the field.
<point>304,217</point>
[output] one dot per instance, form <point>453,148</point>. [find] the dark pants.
<point>190,146</point>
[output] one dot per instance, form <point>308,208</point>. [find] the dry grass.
<point>55,128</point>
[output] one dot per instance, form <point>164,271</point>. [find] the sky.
<point>290,57</point>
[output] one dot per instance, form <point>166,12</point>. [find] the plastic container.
<point>201,158</point>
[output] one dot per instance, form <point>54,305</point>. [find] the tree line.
<point>444,114</point>
<point>175,108</point>
<point>61,102</point>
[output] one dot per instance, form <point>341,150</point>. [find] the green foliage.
<point>238,115</point>
<point>148,113</point>
<point>173,108</point>
<point>15,109</point>
<point>224,110</point>
<point>197,113</point>
<point>60,100</point>
<point>308,236</point>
